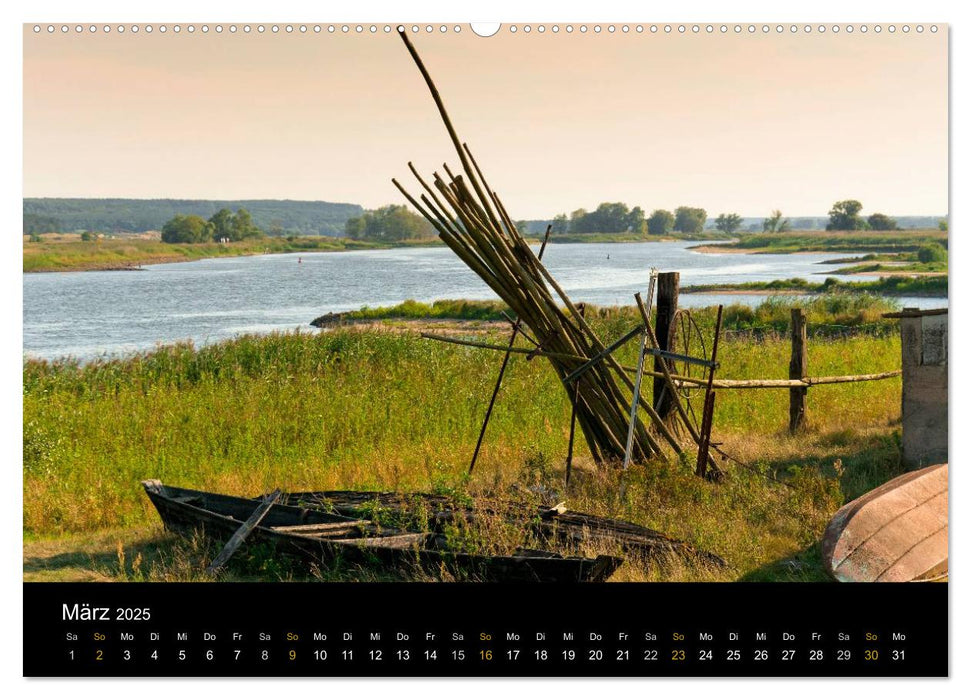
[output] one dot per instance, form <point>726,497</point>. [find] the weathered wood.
<point>575,374</point>
<point>243,532</point>
<point>551,525</point>
<point>805,382</point>
<point>573,418</point>
<point>701,466</point>
<point>798,368</point>
<point>470,218</point>
<point>516,324</point>
<point>187,511</point>
<point>914,313</point>
<point>668,286</point>
<point>634,399</point>
<point>681,379</point>
<point>897,532</point>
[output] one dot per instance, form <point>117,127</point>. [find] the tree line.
<point>616,217</point>
<point>222,227</point>
<point>394,222</point>
<point>276,217</point>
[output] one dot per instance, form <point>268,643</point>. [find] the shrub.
<point>932,252</point>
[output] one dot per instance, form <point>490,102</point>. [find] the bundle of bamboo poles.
<point>471,219</point>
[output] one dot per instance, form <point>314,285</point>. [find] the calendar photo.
<point>520,317</point>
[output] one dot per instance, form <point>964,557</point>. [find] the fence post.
<point>668,284</point>
<point>798,369</point>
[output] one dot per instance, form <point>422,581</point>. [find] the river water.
<point>92,314</point>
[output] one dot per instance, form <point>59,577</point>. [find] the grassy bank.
<point>858,241</point>
<point>847,311</point>
<point>912,268</point>
<point>893,285</point>
<point>353,408</point>
<point>70,254</point>
<point>451,309</point>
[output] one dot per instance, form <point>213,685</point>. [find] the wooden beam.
<point>701,468</point>
<point>798,367</point>
<point>243,532</point>
<point>602,354</point>
<point>668,284</point>
<point>681,379</point>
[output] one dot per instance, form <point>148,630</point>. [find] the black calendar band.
<point>483,630</point>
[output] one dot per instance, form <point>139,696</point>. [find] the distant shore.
<point>68,253</point>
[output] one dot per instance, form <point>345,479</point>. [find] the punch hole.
<point>485,29</point>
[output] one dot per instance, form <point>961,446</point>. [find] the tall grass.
<point>366,409</point>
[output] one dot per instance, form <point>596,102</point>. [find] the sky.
<point>731,123</point>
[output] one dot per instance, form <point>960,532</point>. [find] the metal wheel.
<point>686,338</point>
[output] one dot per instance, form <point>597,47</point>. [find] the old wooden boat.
<point>314,536</point>
<point>897,532</point>
<point>551,526</point>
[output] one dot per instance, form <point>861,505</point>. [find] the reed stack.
<point>471,219</point>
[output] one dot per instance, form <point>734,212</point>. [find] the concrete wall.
<point>924,358</point>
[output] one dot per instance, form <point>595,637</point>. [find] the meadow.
<point>66,252</point>
<point>895,283</point>
<point>382,408</point>
<point>806,241</point>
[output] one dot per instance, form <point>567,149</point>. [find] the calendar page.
<point>520,349</point>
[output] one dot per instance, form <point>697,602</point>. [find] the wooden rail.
<point>679,379</point>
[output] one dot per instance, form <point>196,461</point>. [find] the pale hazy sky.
<point>732,123</point>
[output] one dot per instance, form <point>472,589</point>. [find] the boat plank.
<point>896,532</point>
<point>398,551</point>
<point>881,549</point>
<point>923,557</point>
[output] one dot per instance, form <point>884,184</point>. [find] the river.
<point>92,314</point>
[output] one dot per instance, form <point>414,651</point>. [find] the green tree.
<point>690,219</point>
<point>391,223</point>
<point>636,222</point>
<point>660,222</point>
<point>881,222</point>
<point>728,223</point>
<point>845,216</point>
<point>932,252</point>
<point>561,224</point>
<point>87,236</point>
<point>523,227</point>
<point>775,223</point>
<point>243,227</point>
<point>942,224</point>
<point>577,218</point>
<point>222,225</point>
<point>355,228</point>
<point>38,223</point>
<point>186,229</point>
<point>608,217</point>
